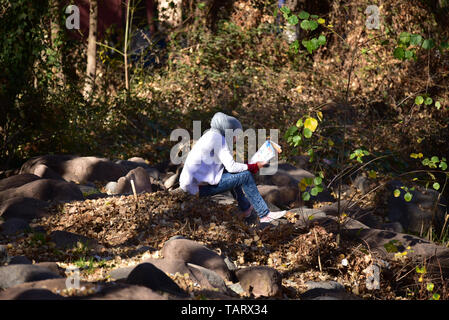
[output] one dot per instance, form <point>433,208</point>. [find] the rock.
<point>111,187</point>
<point>420,249</point>
<point>208,279</point>
<point>147,275</point>
<point>126,292</point>
<point>362,184</point>
<point>69,240</point>
<point>45,189</point>
<point>141,182</point>
<point>237,288</point>
<point>230,264</point>
<point>328,290</point>
<point>120,273</point>
<point>133,164</point>
<point>193,252</point>
<point>52,266</point>
<point>77,169</point>
<point>260,281</point>
<point>23,208</point>
<point>270,194</point>
<point>4,258</point>
<point>52,285</point>
<point>42,171</point>
<point>14,226</point>
<point>29,294</point>
<point>416,215</point>
<point>13,275</point>
<point>20,260</point>
<point>17,181</point>
<point>170,266</point>
<point>223,198</point>
<point>368,218</point>
<point>171,181</point>
<point>393,226</point>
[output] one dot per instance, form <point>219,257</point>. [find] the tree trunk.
<point>91,48</point>
<point>55,34</point>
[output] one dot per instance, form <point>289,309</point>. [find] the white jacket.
<point>206,161</point>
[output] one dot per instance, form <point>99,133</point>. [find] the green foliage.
<point>308,23</point>
<point>359,154</point>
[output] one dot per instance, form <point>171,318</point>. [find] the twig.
<point>134,192</point>
<point>318,246</point>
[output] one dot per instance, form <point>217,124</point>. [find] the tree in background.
<point>91,48</point>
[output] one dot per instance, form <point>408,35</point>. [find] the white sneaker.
<point>273,216</point>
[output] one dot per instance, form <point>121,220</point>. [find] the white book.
<point>266,152</point>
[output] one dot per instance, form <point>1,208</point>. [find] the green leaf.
<point>314,192</point>
<point>311,123</point>
<point>399,53</point>
<point>313,24</point>
<point>299,123</point>
<point>293,20</point>
<point>391,247</point>
<point>408,54</point>
<point>419,100</point>
<point>296,140</point>
<point>438,105</point>
<point>443,165</point>
<point>434,159</point>
<point>415,39</point>
<point>305,24</point>
<point>317,180</point>
<point>428,44</point>
<point>321,40</point>
<point>428,101</point>
<point>436,296</point>
<point>306,196</point>
<point>307,133</point>
<point>397,193</point>
<point>404,37</point>
<point>436,186</point>
<point>408,197</point>
<point>421,270</point>
<point>285,10</point>
<point>444,45</point>
<point>303,15</point>
<point>321,21</point>
<point>430,286</point>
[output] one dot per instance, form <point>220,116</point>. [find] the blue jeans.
<point>235,182</point>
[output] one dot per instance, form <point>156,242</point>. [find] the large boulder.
<point>417,214</point>
<point>13,275</point>
<point>69,240</point>
<point>193,252</point>
<point>261,281</point>
<point>23,208</point>
<point>385,244</point>
<point>126,292</point>
<point>31,290</point>
<point>45,189</point>
<point>141,182</point>
<point>77,169</point>
<point>328,290</point>
<point>13,226</point>
<point>147,275</point>
<point>17,181</point>
<point>279,196</point>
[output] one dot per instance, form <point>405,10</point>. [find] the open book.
<point>266,152</point>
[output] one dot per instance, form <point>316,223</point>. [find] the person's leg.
<point>242,179</point>
<point>242,201</point>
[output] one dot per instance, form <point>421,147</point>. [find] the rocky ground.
<point>164,244</point>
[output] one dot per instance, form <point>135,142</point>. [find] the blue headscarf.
<point>220,122</point>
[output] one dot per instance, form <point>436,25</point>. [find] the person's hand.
<point>261,164</point>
